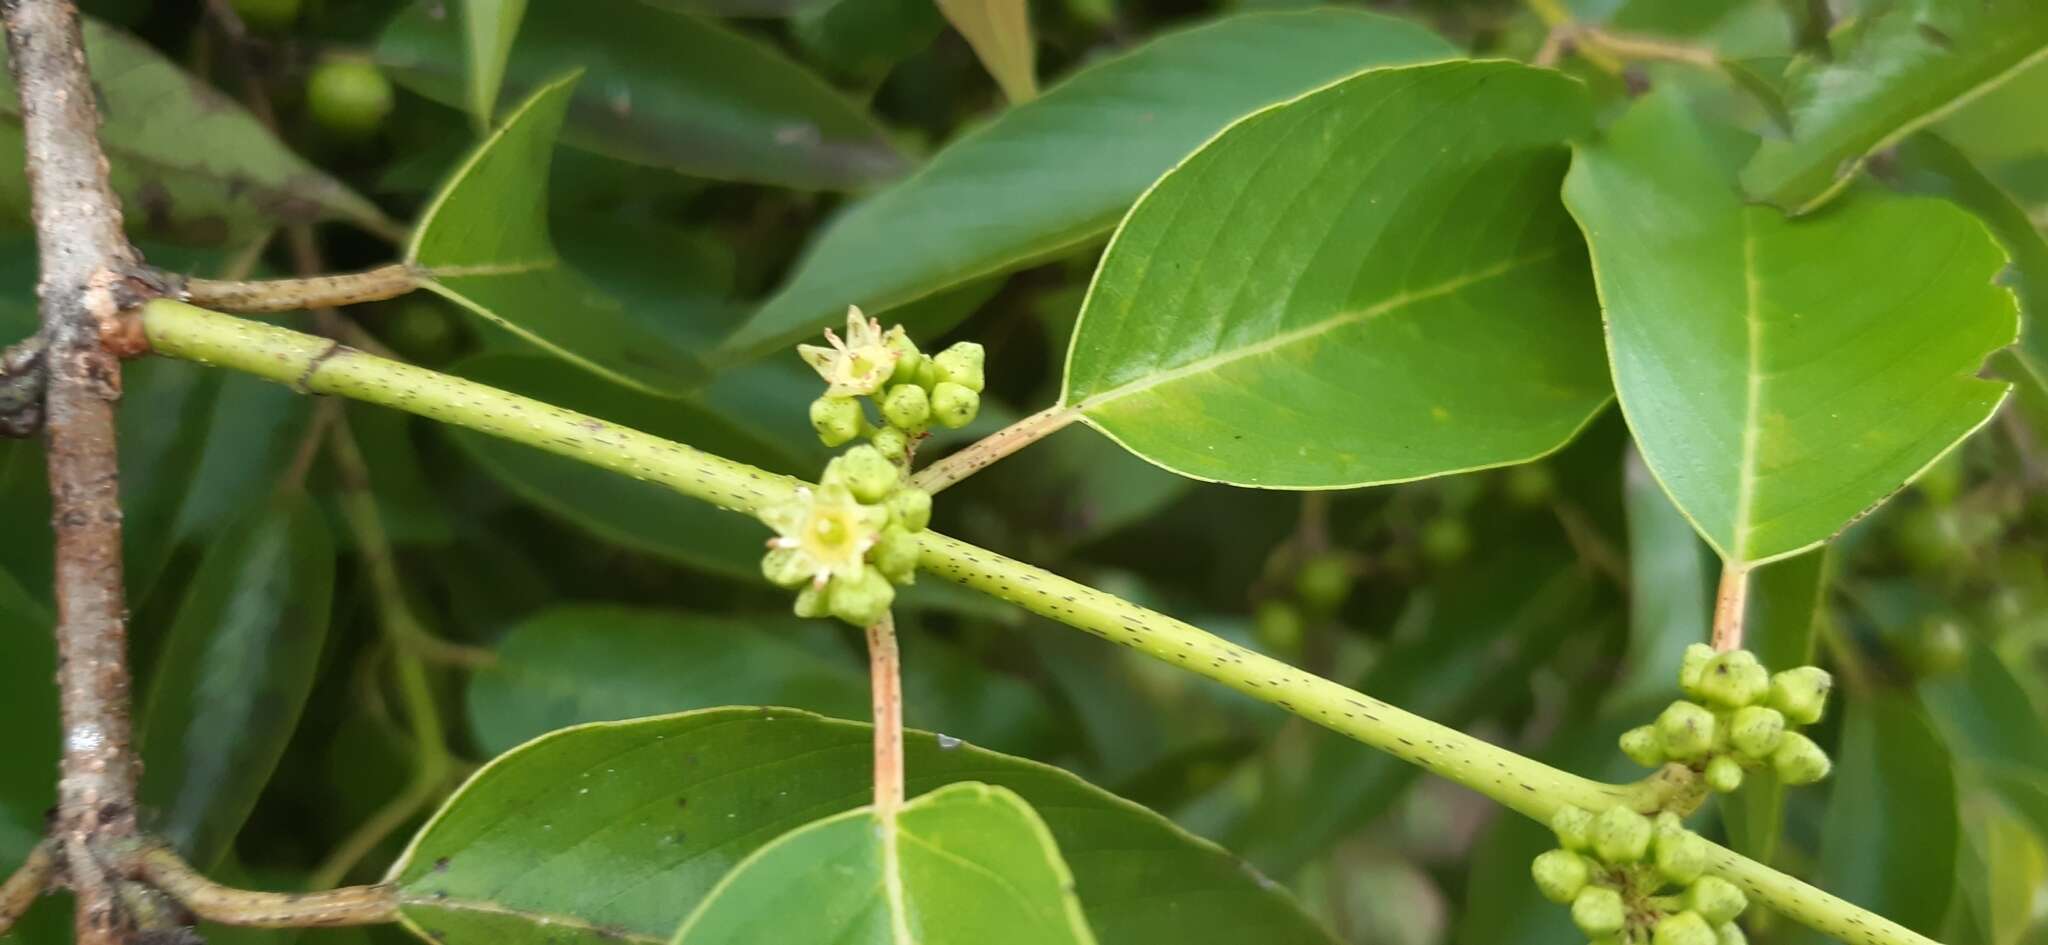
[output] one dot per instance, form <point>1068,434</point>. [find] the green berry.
<point>1642,746</point>
<point>1574,828</point>
<point>267,16</point>
<point>953,405</point>
<point>814,601</point>
<point>1801,694</point>
<point>865,472</point>
<point>1681,855</point>
<point>1445,540</point>
<point>908,358</point>
<point>837,419</point>
<point>1621,836</point>
<point>1799,761</point>
<point>1598,910</point>
<point>1693,667</point>
<point>1530,484</point>
<point>861,598</point>
<point>350,97</point>
<point>1728,933</point>
<point>1734,679</point>
<point>960,364</point>
<point>911,508</point>
<point>895,554</point>
<point>1939,647</point>
<point>1724,774</point>
<point>893,443</point>
<point>1324,582</point>
<point>1560,875</point>
<point>1686,729</point>
<point>908,408</point>
<point>782,568</point>
<point>1715,899</point>
<point>1754,731</point>
<point>1683,928</point>
<point>1278,625</point>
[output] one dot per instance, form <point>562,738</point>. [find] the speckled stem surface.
<point>318,365</point>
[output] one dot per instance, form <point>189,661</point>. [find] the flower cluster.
<point>1631,880</point>
<point>850,541</point>
<point>1744,718</point>
<point>912,390</point>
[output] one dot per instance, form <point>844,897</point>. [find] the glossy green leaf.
<point>616,831</point>
<point>28,701</point>
<point>191,165</point>
<point>1781,378</point>
<point>967,864</point>
<point>488,29</point>
<point>2003,868</point>
<point>666,88</point>
<point>484,244</point>
<point>1667,600</point>
<point>1371,283</point>
<point>1000,33</point>
<point>638,515</point>
<point>2002,123</point>
<point>226,691</point>
<point>1929,165</point>
<point>1780,625</point>
<point>1054,174</point>
<point>1910,63</point>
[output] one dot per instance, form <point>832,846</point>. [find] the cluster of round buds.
<point>911,389</point>
<point>1739,717</point>
<point>1631,880</point>
<point>850,541</point>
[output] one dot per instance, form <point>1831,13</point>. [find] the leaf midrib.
<point>1745,471</point>
<point>549,919</point>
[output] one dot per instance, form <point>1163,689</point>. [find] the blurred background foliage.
<point>709,142</point>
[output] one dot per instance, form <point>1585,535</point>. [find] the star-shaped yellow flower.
<point>820,535</point>
<point>857,364</point>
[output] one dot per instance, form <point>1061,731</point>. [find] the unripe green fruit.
<point>1693,666</point>
<point>865,472</point>
<point>1715,899</point>
<point>837,419</point>
<point>1642,746</point>
<point>267,16</point>
<point>1278,626</point>
<point>907,407</point>
<point>1939,647</point>
<point>814,601</point>
<point>1734,679</point>
<point>1560,875</point>
<point>1681,855</point>
<point>960,364</point>
<point>861,598</point>
<point>349,97</point>
<point>782,569</point>
<point>1724,774</point>
<point>1446,540</point>
<point>893,443</point>
<point>1574,828</point>
<point>1801,694</point>
<point>1755,730</point>
<point>1598,911</point>
<point>895,555</point>
<point>1728,933</point>
<point>1530,484</point>
<point>953,405</point>
<point>911,508</point>
<point>1683,928</point>
<point>1799,761</point>
<point>1621,836</point>
<point>1687,730</point>
<point>1324,582</point>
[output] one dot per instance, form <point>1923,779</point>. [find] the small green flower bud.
<point>1621,836</point>
<point>785,567</point>
<point>911,508</point>
<point>814,601</point>
<point>1642,746</point>
<point>1681,855</point>
<point>1686,729</point>
<point>1734,679</point>
<point>960,364</point>
<point>1277,624</point>
<point>837,419</point>
<point>1324,582</point>
<point>1724,774</point>
<point>1693,667</point>
<point>907,356</point>
<point>908,408</point>
<point>1801,693</point>
<point>1799,761</point>
<point>1683,928</point>
<point>1445,540</point>
<point>1530,484</point>
<point>895,555</point>
<point>1574,828</point>
<point>1599,911</point>
<point>1755,730</point>
<point>861,598</point>
<point>1728,933</point>
<point>953,405</point>
<point>927,373</point>
<point>865,472</point>
<point>1715,899</point>
<point>893,443</point>
<point>1560,874</point>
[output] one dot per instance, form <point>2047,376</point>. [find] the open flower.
<point>820,534</point>
<point>857,364</point>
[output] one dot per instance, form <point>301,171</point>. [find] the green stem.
<point>1530,787</point>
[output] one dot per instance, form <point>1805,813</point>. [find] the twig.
<point>885,678</point>
<point>1729,603</point>
<point>1586,540</point>
<point>349,905</point>
<point>290,295</point>
<point>978,455</point>
<point>87,268</point>
<point>20,890</point>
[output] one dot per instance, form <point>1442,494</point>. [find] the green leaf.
<point>28,701</point>
<point>2004,867</point>
<point>1909,64</point>
<point>967,864</point>
<point>483,243</point>
<point>488,28</point>
<point>1926,164</point>
<point>1052,175</point>
<point>616,831</point>
<point>1781,378</point>
<point>1667,601</point>
<point>1371,283</point>
<point>1780,624</point>
<point>634,514</point>
<point>191,165</point>
<point>240,661</point>
<point>667,89</point>
<point>1000,33</point>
